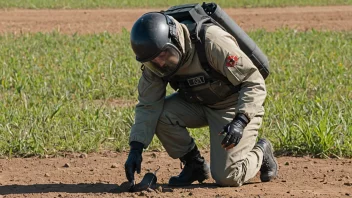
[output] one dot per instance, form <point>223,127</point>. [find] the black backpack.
<point>198,18</point>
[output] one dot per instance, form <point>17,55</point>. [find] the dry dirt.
<point>102,175</point>
<point>111,20</point>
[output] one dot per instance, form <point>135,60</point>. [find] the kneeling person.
<point>231,106</point>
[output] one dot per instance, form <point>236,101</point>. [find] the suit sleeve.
<point>227,58</point>
<point>151,94</point>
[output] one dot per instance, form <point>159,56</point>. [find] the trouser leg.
<point>171,129</point>
<point>239,164</point>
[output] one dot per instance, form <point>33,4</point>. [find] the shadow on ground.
<point>85,188</point>
<point>68,188</point>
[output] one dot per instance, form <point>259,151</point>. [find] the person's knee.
<point>228,181</point>
<point>233,176</point>
<point>169,119</point>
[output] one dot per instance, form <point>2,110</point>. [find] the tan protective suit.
<point>169,117</point>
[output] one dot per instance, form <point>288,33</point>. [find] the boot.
<point>269,169</point>
<point>195,169</point>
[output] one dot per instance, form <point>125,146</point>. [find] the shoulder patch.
<point>233,61</point>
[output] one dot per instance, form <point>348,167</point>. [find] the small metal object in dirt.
<point>148,182</point>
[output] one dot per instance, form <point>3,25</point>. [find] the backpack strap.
<point>198,38</point>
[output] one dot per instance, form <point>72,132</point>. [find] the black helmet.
<point>154,41</point>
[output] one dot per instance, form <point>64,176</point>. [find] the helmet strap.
<point>173,32</point>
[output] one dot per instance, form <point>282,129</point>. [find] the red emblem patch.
<point>232,61</point>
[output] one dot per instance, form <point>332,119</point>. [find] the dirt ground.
<point>93,21</point>
<point>102,174</point>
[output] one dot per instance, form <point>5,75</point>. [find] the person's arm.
<point>151,94</point>
<point>227,58</point>
<point>151,90</point>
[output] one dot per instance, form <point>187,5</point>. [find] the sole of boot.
<point>266,177</point>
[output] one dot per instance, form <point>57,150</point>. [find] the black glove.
<point>234,131</point>
<point>134,160</point>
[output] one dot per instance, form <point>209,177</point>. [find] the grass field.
<point>72,4</point>
<point>56,93</point>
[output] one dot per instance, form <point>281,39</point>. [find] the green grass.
<point>74,4</point>
<point>310,92</point>
<point>57,93</point>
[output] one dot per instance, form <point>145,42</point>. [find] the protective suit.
<point>169,117</point>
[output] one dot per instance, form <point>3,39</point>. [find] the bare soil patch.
<point>102,175</point>
<point>336,18</point>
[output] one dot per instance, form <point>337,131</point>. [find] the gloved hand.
<point>233,131</point>
<point>134,160</point>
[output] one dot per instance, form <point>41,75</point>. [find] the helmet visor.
<point>166,62</point>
